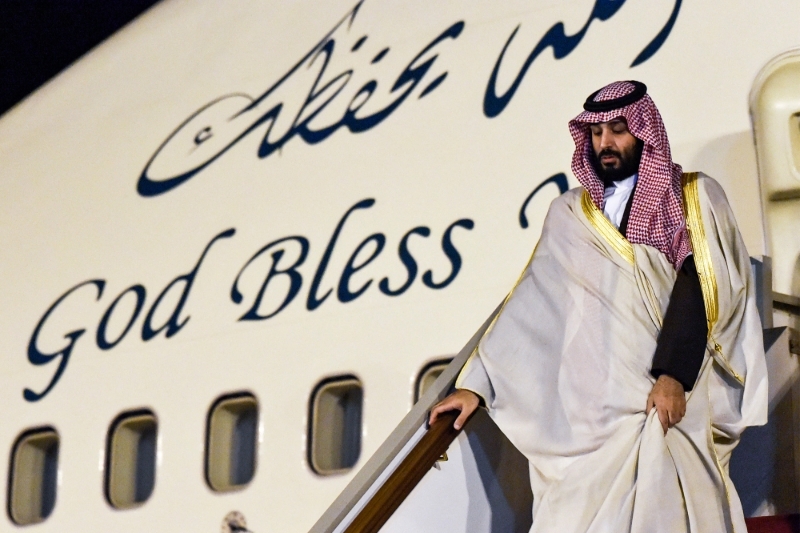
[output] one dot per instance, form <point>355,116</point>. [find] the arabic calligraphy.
<point>300,104</point>
<point>563,45</point>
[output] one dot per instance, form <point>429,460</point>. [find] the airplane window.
<point>428,375</point>
<point>231,442</point>
<point>335,425</point>
<point>32,477</point>
<point>131,459</point>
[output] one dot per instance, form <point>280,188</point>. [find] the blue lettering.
<point>451,253</point>
<point>344,293</point>
<point>408,261</point>
<point>295,278</point>
<point>102,340</point>
<point>38,358</point>
<point>315,301</point>
<point>563,45</point>
<point>364,254</point>
<point>173,324</point>
<point>560,180</point>
<point>217,126</point>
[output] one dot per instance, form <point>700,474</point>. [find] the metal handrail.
<point>787,303</point>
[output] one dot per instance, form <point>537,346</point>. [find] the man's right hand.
<point>461,400</point>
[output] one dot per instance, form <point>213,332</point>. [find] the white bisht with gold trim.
<point>565,373</point>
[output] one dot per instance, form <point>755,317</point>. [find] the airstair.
<point>437,479</point>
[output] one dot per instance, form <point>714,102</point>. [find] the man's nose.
<point>606,139</point>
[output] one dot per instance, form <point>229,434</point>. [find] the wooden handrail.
<point>408,474</point>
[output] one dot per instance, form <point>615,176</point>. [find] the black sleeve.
<point>681,344</point>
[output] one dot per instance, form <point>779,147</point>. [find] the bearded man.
<point>628,358</point>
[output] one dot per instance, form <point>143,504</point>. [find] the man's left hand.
<point>668,399</point>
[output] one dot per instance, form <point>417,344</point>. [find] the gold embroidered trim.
<point>702,253</point>
<point>723,361</point>
<point>606,229</point>
<point>702,260</point>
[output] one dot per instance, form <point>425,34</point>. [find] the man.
<point>628,358</point>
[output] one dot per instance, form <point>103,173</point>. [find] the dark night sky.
<point>39,38</point>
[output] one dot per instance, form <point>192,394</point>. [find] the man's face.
<point>617,152</point>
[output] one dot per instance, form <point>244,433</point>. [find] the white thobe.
<point>616,198</point>
<point>564,371</point>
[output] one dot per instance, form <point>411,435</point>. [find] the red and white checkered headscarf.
<point>656,216</point>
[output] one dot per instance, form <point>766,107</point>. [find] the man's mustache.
<point>609,151</point>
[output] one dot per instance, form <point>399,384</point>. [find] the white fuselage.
<point>275,137</point>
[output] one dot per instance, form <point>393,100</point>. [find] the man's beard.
<point>628,164</point>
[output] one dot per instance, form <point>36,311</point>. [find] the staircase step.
<point>774,524</point>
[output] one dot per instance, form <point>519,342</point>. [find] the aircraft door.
<point>775,112</point>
